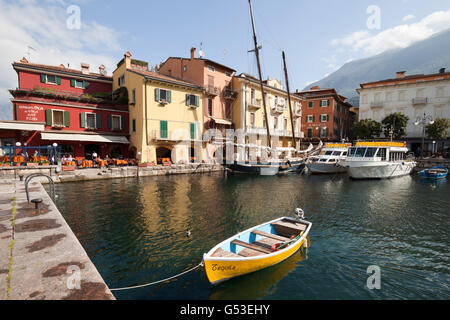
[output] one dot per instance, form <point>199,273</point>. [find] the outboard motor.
<point>299,213</point>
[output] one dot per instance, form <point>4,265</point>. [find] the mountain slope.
<point>426,56</point>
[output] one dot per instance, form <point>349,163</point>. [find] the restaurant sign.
<point>31,113</point>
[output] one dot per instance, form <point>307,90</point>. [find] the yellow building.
<point>248,114</point>
<point>166,119</point>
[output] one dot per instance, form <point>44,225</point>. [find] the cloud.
<point>400,36</point>
<point>408,17</point>
<point>310,82</point>
<point>43,27</point>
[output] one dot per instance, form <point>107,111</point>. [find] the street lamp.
<point>424,121</point>
<point>434,147</point>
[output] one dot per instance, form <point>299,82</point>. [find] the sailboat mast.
<point>269,139</point>
<point>289,101</point>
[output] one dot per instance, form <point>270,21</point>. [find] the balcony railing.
<point>213,91</point>
<point>229,94</point>
<point>377,104</point>
<point>166,135</point>
<point>418,101</point>
<point>255,104</point>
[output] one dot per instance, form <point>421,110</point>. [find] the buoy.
<point>188,232</point>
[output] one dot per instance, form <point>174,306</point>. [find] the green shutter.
<point>85,84</point>
<point>169,96</point>
<point>328,103</point>
<point>66,118</point>
<point>72,83</point>
<point>188,102</point>
<point>134,125</point>
<point>314,118</point>
<point>192,131</point>
<point>83,120</point>
<point>311,104</point>
<point>122,123</point>
<point>43,78</point>
<point>109,122</point>
<point>98,120</point>
<point>163,129</point>
<point>197,101</point>
<point>58,80</point>
<point>157,95</point>
<point>48,117</point>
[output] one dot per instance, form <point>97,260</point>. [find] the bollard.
<point>36,202</point>
<point>21,177</point>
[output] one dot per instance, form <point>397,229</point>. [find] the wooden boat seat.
<point>251,246</point>
<point>288,228</point>
<point>249,253</point>
<point>270,235</point>
<point>222,253</point>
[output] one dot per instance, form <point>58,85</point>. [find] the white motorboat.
<point>329,160</point>
<point>378,160</point>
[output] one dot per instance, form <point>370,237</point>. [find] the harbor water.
<point>134,231</point>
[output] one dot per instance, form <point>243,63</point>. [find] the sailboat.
<point>273,165</point>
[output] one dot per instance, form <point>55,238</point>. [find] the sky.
<point>318,36</point>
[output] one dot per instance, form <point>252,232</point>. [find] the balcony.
<point>298,113</point>
<point>277,108</point>
<point>212,91</point>
<point>229,94</point>
<point>166,135</point>
<point>255,104</point>
<point>419,101</point>
<point>376,104</point>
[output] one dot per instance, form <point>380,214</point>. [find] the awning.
<point>222,121</point>
<point>12,125</point>
<point>84,137</point>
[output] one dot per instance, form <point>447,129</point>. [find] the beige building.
<point>166,118</point>
<point>248,114</point>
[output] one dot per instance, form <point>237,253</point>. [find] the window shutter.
<point>43,78</point>
<point>85,84</point>
<point>169,96</point>
<point>197,101</point>
<point>66,118</point>
<point>188,102</point>
<point>72,82</point>
<point>48,117</point>
<point>328,103</point>
<point>134,125</point>
<point>83,120</point>
<point>98,121</point>
<point>58,80</point>
<point>163,129</point>
<point>156,94</point>
<point>313,118</point>
<point>192,131</point>
<point>326,132</point>
<point>109,121</point>
<point>122,123</point>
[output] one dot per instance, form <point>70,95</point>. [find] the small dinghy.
<point>256,248</point>
<point>438,172</point>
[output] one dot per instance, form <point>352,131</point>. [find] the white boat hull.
<point>384,170</point>
<point>325,168</point>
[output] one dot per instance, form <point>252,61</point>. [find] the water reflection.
<point>134,231</point>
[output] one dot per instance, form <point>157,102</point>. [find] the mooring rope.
<point>159,281</point>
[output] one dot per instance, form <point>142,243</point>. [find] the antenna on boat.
<point>300,213</point>
<point>294,143</point>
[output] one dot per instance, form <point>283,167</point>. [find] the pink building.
<point>215,78</point>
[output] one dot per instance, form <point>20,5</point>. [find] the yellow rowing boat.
<point>256,248</point>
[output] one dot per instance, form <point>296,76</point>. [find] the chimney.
<point>442,70</point>
<point>84,68</point>
<point>193,51</point>
<point>24,60</point>
<point>101,69</point>
<point>127,59</point>
<point>401,74</point>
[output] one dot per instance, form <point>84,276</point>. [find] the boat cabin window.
<point>396,156</point>
<point>336,153</point>
<point>382,154</point>
<point>344,154</point>
<point>360,152</point>
<point>323,160</point>
<point>351,152</point>
<point>332,160</point>
<point>328,153</point>
<point>370,153</point>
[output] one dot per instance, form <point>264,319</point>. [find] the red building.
<point>325,115</point>
<point>76,108</point>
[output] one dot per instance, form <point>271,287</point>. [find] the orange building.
<point>326,115</point>
<point>217,81</point>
